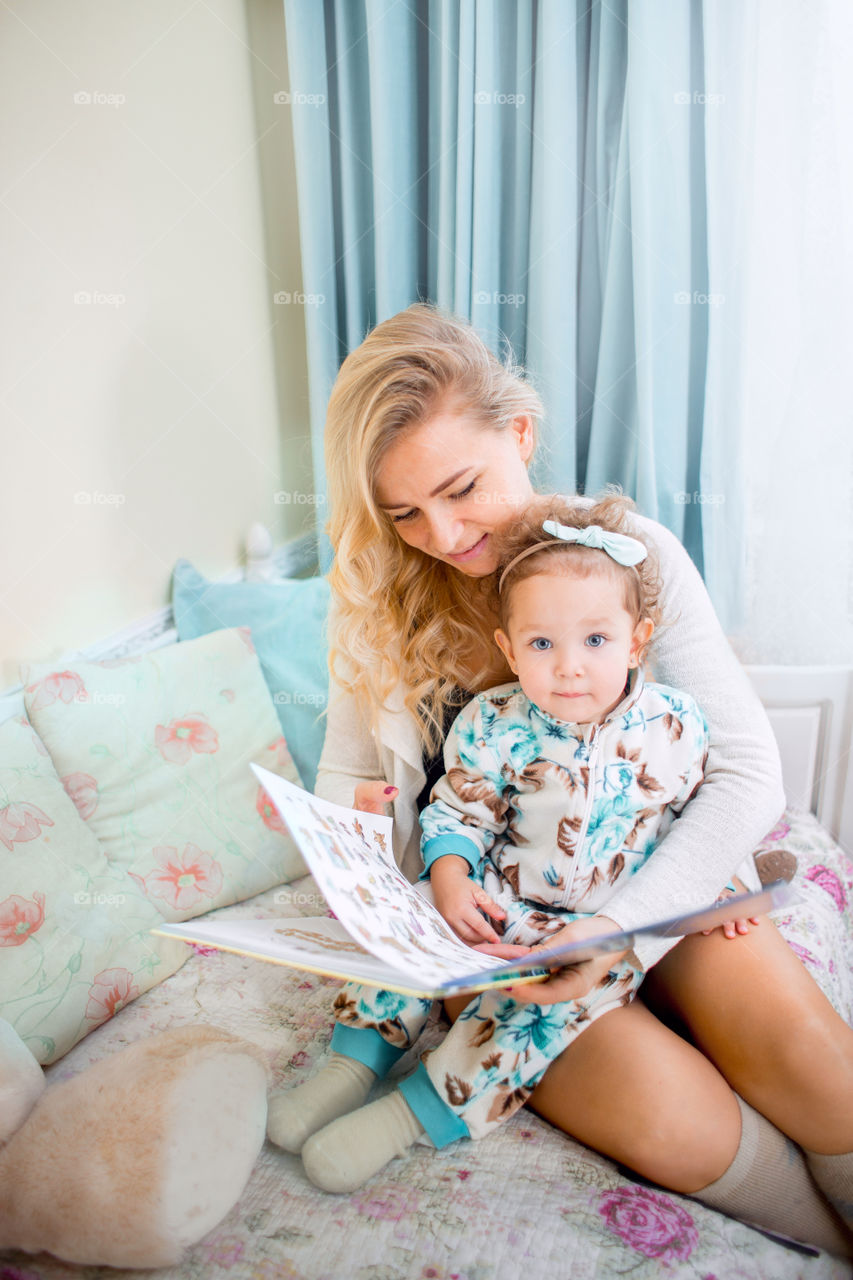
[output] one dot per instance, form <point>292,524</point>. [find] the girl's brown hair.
<point>639,583</point>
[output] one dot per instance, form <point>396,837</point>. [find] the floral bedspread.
<point>526,1200</point>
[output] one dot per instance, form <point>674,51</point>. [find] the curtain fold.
<point>540,167</point>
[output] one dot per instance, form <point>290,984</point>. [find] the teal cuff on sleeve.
<point>366,1045</point>
<point>440,1121</point>
<point>437,846</point>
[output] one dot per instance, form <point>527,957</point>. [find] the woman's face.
<point>447,484</point>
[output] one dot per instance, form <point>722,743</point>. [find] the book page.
<point>350,855</point>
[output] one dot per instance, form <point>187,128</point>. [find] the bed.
<point>529,1199</point>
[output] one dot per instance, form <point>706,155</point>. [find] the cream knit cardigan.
<point>737,804</point>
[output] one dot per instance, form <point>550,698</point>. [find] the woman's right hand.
<point>372,797</point>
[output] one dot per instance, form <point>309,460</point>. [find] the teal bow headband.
<point>624,550</point>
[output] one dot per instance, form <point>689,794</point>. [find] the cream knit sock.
<point>345,1154</point>
<point>294,1114</point>
<point>834,1176</point>
<point>768,1184</point>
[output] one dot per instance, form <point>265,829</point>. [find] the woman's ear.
<point>523,428</point>
<point>503,642</point>
<point>642,636</point>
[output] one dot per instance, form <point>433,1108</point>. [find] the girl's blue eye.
<point>596,641</point>
<point>541,644</point>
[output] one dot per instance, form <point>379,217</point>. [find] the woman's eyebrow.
<point>394,506</point>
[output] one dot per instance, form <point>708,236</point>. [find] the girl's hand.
<point>733,927</point>
<point>460,901</point>
<point>571,981</point>
<point>372,797</point>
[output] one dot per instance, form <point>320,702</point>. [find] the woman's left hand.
<point>571,981</point>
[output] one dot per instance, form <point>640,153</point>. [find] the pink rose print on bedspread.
<point>21,822</point>
<point>829,881</point>
<point>182,879</point>
<point>82,788</point>
<point>779,832</point>
<point>649,1223</point>
<point>20,917</point>
<point>388,1203</point>
<point>179,740</point>
<point>111,990</point>
<point>59,686</point>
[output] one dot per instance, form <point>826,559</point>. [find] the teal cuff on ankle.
<point>366,1045</point>
<point>439,1120</point>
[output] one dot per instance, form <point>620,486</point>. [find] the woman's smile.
<point>471,553</point>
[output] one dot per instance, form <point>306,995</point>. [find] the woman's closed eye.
<point>454,497</point>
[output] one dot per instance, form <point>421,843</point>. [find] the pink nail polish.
<point>389,790</point>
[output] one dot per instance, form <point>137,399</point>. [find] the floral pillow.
<point>75,941</point>
<point>155,752</point>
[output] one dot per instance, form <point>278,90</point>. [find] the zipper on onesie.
<point>587,814</point>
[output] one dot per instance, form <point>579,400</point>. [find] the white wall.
<point>161,418</point>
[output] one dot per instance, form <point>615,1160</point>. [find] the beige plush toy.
<point>131,1161</point>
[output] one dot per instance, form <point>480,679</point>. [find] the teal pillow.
<point>288,624</point>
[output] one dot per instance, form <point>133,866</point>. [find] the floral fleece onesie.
<point>552,817</point>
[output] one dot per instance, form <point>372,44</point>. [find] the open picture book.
<point>385,932</point>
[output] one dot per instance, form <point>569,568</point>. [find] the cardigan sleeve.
<point>350,753</point>
<point>741,796</point>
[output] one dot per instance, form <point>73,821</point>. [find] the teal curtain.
<point>538,166</point>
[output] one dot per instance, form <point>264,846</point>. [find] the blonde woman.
<point>428,441</point>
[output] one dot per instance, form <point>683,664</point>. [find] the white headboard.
<point>811,711</point>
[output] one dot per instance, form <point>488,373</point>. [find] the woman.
<point>427,446</point>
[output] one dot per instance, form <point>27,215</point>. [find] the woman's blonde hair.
<point>640,584</point>
<point>399,613</point>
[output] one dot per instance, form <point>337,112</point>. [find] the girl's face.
<point>571,642</point>
<point>447,484</point>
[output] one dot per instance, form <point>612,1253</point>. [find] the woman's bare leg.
<point>633,1090</point>
<point>753,1009</point>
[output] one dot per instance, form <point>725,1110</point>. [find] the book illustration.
<point>387,932</point>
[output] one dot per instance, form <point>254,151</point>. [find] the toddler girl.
<point>557,789</point>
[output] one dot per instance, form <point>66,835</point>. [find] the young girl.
<point>557,789</point>
<point>428,442</point>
